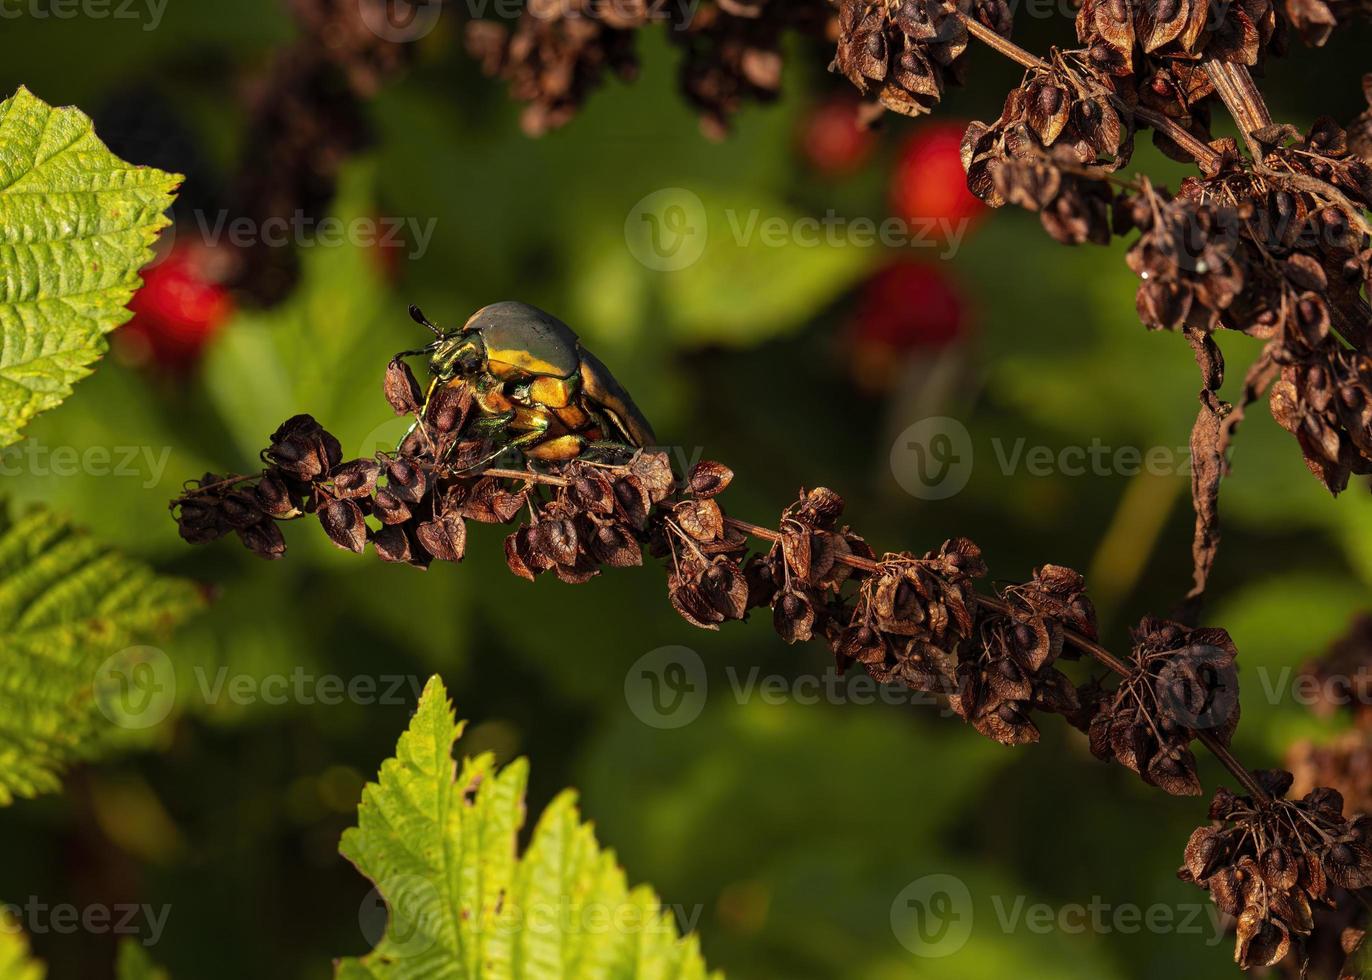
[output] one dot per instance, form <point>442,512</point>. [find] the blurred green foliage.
<point>793,827</point>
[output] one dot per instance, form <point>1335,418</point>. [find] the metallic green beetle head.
<point>461,355</point>
<point>453,355</point>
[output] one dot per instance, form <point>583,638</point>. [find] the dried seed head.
<point>709,478</point>
<point>356,478</point>
<point>263,539</point>
<point>445,537</point>
<point>401,389</point>
<point>274,497</point>
<point>303,449</point>
<point>343,523</point>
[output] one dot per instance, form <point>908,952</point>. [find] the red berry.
<point>910,304</point>
<point>929,183</point>
<point>179,307</point>
<point>904,308</point>
<point>833,140</point>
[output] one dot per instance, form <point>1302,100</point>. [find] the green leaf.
<point>134,963</point>
<point>76,225</point>
<point>463,904</point>
<point>74,685</point>
<point>15,961</point>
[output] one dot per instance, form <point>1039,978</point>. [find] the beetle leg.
<point>562,449</point>
<point>609,452</point>
<point>534,436</point>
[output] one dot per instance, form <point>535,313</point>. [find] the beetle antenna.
<point>417,315</point>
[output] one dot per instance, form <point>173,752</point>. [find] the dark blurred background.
<point>791,826</point>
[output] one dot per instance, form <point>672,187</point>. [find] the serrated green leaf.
<point>15,961</point>
<point>76,225</point>
<point>70,611</point>
<point>134,963</point>
<point>439,841</point>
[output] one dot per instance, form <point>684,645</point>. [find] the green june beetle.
<point>534,386</point>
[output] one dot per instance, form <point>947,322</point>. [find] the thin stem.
<point>1235,86</point>
<point>1236,768</point>
<point>1202,153</point>
<point>528,476</point>
<point>1005,46</point>
<point>1088,646</point>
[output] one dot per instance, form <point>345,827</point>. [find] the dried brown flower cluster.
<point>305,121</point>
<point>1271,862</point>
<point>1163,39</point>
<point>1344,763</point>
<point>1182,682</point>
<point>1340,684</point>
<point>904,53</point>
<point>1059,133</point>
<point>1342,678</point>
<point>732,53</point>
<point>560,51</point>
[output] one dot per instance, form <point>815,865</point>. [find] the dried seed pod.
<point>793,615</point>
<point>356,478</point>
<point>406,480</point>
<point>448,408</point>
<point>199,520</point>
<point>725,588</point>
<point>709,478</point>
<point>444,537</point>
<point>389,508</point>
<point>394,543</point>
<point>343,523</point>
<point>557,540</point>
<point>263,539</point>
<point>303,449</point>
<point>701,519</point>
<point>653,472</point>
<point>402,391</point>
<point>614,545</point>
<point>239,509</point>
<point>274,497</point>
